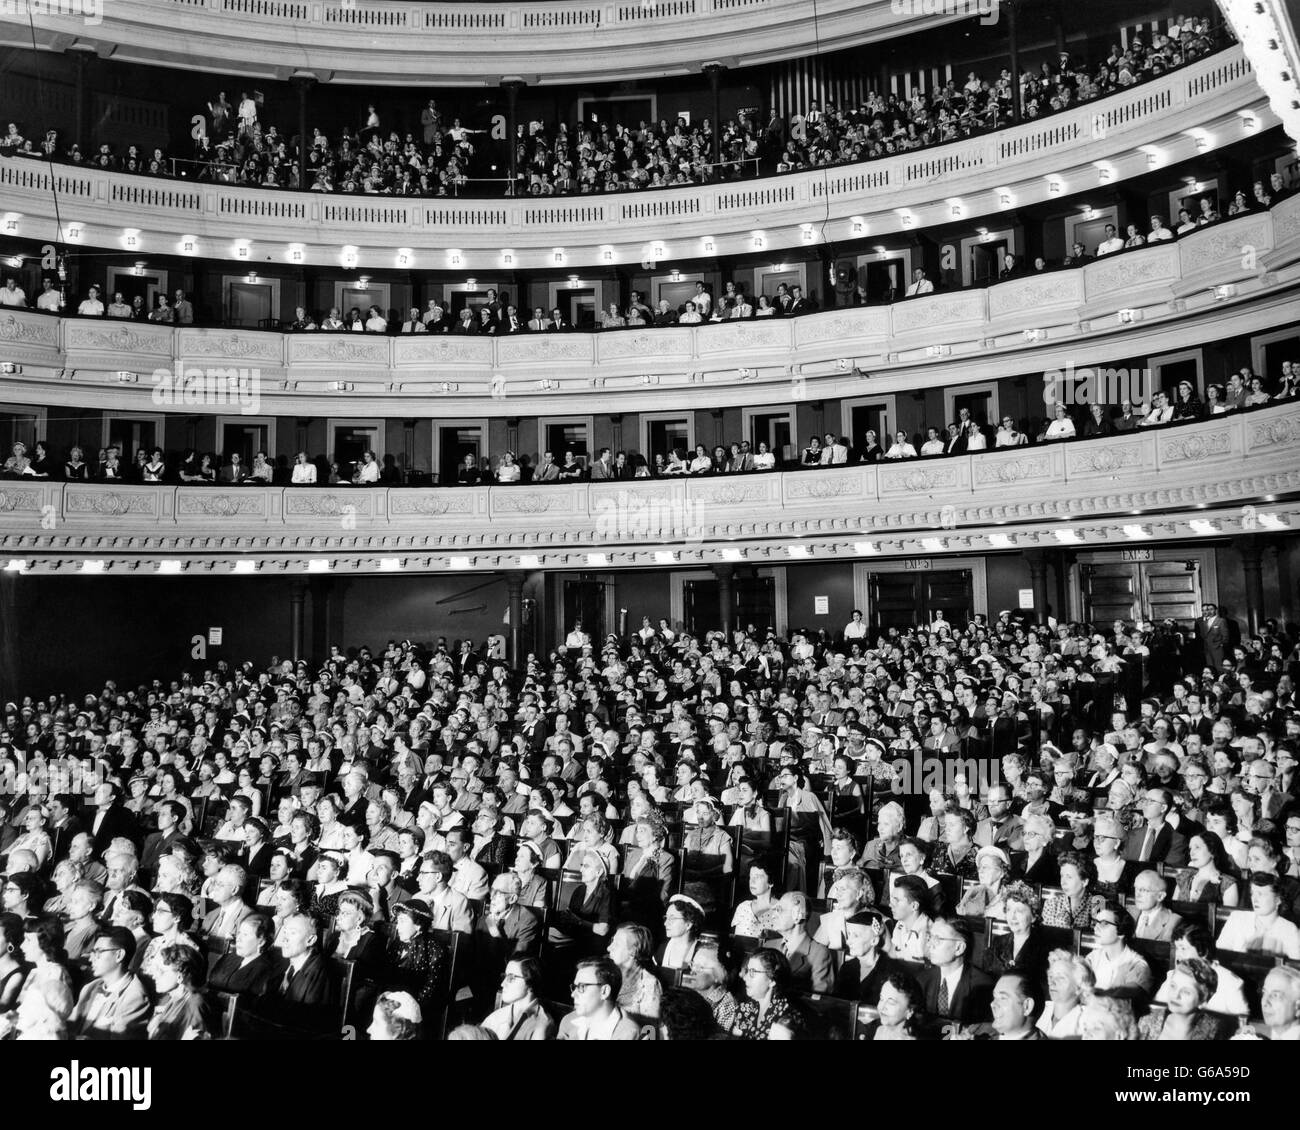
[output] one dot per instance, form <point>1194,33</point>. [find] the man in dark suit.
<point>534,730</point>
<point>510,323</point>
<point>159,843</point>
<point>811,970</point>
<point>1212,629</point>
<point>248,967</point>
<point>1158,841</point>
<point>798,303</point>
<point>63,826</point>
<point>110,820</point>
<point>302,993</point>
<point>505,933</point>
<point>557,324</point>
<point>954,991</point>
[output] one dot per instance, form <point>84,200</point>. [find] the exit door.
<point>904,600</point>
<point>1146,590</point>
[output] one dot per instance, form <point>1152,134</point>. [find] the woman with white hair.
<point>1070,983</point>
<point>1107,1017</point>
<point>1040,860</point>
<point>1107,840</point>
<point>985,896</point>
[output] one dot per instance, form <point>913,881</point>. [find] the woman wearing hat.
<point>587,919</point>
<point>985,897</point>
<point>397,1016</point>
<point>683,921</point>
<point>416,960</point>
<point>1187,405</point>
<point>650,874</point>
<point>352,939</point>
<point>533,890</point>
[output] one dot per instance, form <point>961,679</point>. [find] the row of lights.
<point>795,552</point>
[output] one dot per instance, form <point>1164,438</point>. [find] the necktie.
<point>943,997</point>
<point>288,979</point>
<point>1147,842</point>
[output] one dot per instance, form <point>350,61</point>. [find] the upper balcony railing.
<point>358,41</point>
<point>1209,104</point>
<point>1252,260</point>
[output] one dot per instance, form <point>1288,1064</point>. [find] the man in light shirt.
<point>91,307</point>
<point>920,284</point>
<point>1111,243</point>
<point>12,294</point>
<point>596,1014</point>
<point>834,451</point>
<point>933,445</point>
<point>49,299</point>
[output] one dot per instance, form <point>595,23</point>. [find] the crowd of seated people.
<point>666,835</point>
<point>443,159</point>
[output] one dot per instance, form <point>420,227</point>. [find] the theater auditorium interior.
<point>848,589</point>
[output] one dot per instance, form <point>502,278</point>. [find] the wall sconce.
<point>404,257</point>
<point>859,227</point>
<point>709,245</point>
<point>1035,336</point>
<point>1004,199</point>
<point>649,379</point>
<point>131,238</point>
<point>806,233</point>
<point>607,255</point>
<point>125,378</point>
<point>573,282</point>
<point>548,385</point>
<point>558,255</point>
<point>449,386</point>
<point>675,275</point>
<point>745,374</point>
<point>758,242</point>
<point>341,386</point>
<point>138,270</point>
<point>189,245</point>
<point>507,258</point>
<point>938,350</point>
<point>471,284</point>
<point>1128,317</point>
<point>242,250</point>
<point>1223,293</point>
<point>11,221</point>
<point>252,276</point>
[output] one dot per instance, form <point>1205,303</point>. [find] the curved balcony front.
<point>1147,485</point>
<point>1210,104</point>
<point>1140,301</point>
<point>363,41</point>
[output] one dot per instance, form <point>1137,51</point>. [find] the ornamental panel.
<point>937,310</point>
<point>109,337</point>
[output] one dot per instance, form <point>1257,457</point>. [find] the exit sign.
<point>919,564</point>
<point>1131,556</point>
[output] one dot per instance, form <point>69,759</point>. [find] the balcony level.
<point>1218,478</point>
<point>1244,270</point>
<point>1195,110</point>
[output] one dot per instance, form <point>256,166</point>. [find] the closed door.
<point>1147,590</point>
<point>986,260</point>
<point>902,600</point>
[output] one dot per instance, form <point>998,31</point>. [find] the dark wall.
<point>805,582</point>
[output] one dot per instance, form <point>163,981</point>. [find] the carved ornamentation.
<point>19,331</point>
<point>1180,449</point>
<point>1029,294</point>
<point>730,494</point>
<point>527,503</point>
<point>1104,458</point>
<point>644,343</point>
<point>1011,471</point>
<point>1286,430</point>
<point>546,347</point>
<point>229,345</point>
<point>109,504</point>
<point>12,499</point>
<point>119,339</point>
<point>937,310</point>
<point>728,337</point>
<point>1102,277</point>
<point>339,350</point>
<point>1220,247</point>
<point>189,503</point>
<point>317,504</point>
<point>823,486</point>
<point>405,504</point>
<point>442,350</point>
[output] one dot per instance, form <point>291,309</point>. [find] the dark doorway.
<point>903,600</point>
<point>454,443</point>
<point>578,304</point>
<point>886,280</point>
<point>753,602</point>
<point>986,261</point>
<point>584,599</point>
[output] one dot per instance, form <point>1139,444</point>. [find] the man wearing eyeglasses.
<point>954,991</point>
<point>596,1015</point>
<point>115,1005</point>
<point>1159,841</point>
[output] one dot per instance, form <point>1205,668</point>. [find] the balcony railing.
<point>1035,162</point>
<point>755,361</point>
<point>939,506</point>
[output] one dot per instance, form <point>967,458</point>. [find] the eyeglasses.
<point>753,972</point>
<point>1096,922</point>
<point>579,986</point>
<point>100,952</point>
<point>519,977</point>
